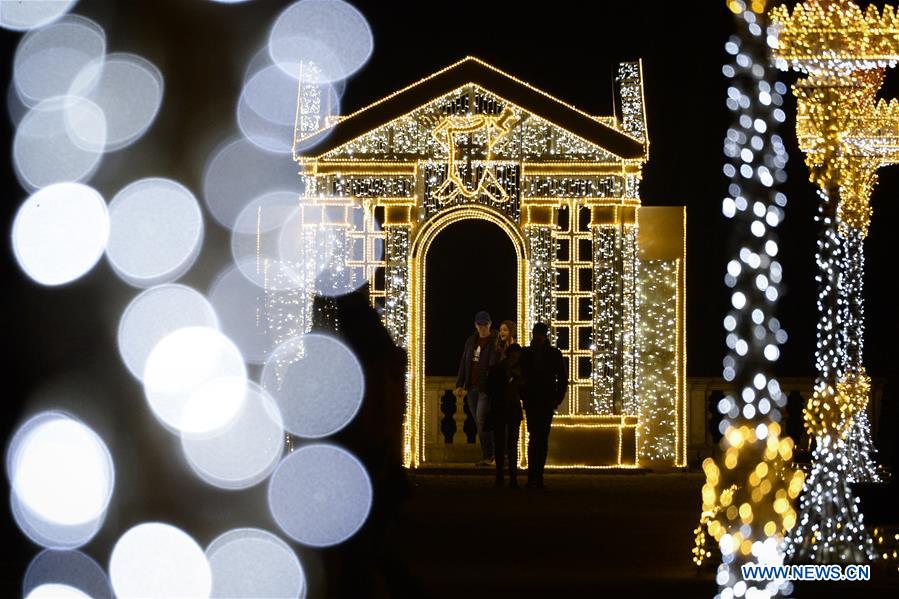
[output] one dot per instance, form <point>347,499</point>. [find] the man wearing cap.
<point>478,357</point>
<point>545,384</point>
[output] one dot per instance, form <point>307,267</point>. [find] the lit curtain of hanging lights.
<point>747,499</point>
<point>843,53</point>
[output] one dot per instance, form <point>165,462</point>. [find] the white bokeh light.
<point>49,534</point>
<point>128,89</point>
<point>195,380</point>
<point>239,172</point>
<point>48,59</point>
<point>155,231</point>
<point>317,382</point>
<point>267,109</point>
<point>60,232</point>
<point>56,591</point>
<point>61,480</point>
<point>21,16</point>
<point>240,306</point>
<point>320,495</point>
<point>244,452</point>
<point>60,140</point>
<point>62,471</point>
<point>263,59</point>
<point>250,562</point>
<point>15,108</point>
<point>331,34</point>
<point>335,275</point>
<point>158,560</point>
<point>155,313</point>
<point>72,568</point>
<point>256,241</point>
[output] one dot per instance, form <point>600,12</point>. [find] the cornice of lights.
<point>601,119</point>
<point>342,148</point>
<point>835,36</point>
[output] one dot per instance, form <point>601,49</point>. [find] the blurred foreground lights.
<point>155,232</point>
<point>60,232</point>
<point>155,313</point>
<point>240,305</point>
<point>59,140</point>
<point>238,172</point>
<point>48,59</point>
<point>56,591</point>
<point>317,382</point>
<point>256,241</point>
<point>341,257</point>
<point>267,112</point>
<point>320,495</point>
<point>128,89</point>
<point>248,563</point>
<point>61,480</point>
<point>246,450</point>
<point>195,380</point>
<point>330,34</point>
<point>71,568</point>
<point>158,560</point>
<point>21,15</point>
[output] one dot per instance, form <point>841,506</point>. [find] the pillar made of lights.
<point>842,53</point>
<point>853,217</point>
<point>747,499</point>
<point>538,225</point>
<point>614,233</point>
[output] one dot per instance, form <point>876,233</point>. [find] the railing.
<point>703,417</point>
<point>450,428</point>
<point>451,431</point>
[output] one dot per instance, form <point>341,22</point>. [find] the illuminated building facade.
<point>606,273</point>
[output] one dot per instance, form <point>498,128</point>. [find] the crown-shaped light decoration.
<point>835,36</point>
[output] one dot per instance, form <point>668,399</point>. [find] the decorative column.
<point>398,223</point>
<point>842,53</point>
<point>538,223</point>
<point>853,217</point>
<point>614,309</point>
<point>398,227</point>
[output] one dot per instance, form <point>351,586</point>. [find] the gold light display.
<point>846,135</point>
<point>472,142</point>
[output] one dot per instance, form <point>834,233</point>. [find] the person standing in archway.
<point>478,356</point>
<point>505,337</point>
<point>545,384</point>
<point>504,388</point>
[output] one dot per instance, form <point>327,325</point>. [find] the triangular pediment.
<point>481,113</point>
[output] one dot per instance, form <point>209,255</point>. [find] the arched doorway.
<point>435,433</point>
<point>471,266</point>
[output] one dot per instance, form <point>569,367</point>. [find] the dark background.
<point>66,336</point>
<point>471,266</point>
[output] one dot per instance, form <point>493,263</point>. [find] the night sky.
<point>569,49</point>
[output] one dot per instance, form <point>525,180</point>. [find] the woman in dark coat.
<point>504,384</point>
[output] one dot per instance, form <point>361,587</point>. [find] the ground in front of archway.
<point>460,536</point>
<point>610,535</point>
